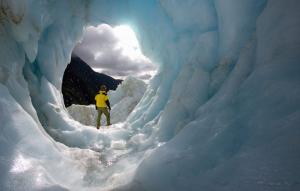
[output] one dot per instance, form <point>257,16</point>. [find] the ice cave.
<point>221,114</point>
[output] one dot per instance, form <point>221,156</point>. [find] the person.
<point>103,105</point>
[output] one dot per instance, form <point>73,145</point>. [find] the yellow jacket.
<point>101,99</point>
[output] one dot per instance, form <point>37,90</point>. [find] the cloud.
<point>104,51</point>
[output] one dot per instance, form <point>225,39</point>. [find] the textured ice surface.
<point>221,114</point>
<point>83,114</point>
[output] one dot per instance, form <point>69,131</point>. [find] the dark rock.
<point>81,83</point>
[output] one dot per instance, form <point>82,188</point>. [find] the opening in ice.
<point>111,56</point>
<point>114,51</point>
<point>221,114</point>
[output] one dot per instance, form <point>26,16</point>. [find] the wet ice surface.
<point>112,163</point>
<point>222,113</point>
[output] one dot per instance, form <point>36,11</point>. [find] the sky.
<point>114,51</point>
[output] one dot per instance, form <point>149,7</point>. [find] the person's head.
<point>103,88</point>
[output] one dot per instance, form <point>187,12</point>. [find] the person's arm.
<point>108,104</point>
<point>96,102</point>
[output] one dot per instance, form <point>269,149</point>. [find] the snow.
<point>222,113</point>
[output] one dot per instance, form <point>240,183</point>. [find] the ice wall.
<point>243,133</point>
<point>221,114</point>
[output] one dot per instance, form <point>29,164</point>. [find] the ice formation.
<point>221,114</point>
<point>122,101</point>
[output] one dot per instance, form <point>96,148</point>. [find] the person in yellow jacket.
<point>102,105</point>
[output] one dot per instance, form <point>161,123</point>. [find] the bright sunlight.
<point>128,41</point>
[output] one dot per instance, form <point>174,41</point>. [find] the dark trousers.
<point>105,111</point>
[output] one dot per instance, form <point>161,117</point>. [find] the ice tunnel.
<point>222,113</point>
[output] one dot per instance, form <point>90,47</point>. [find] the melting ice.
<point>222,113</point>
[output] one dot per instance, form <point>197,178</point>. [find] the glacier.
<point>222,113</point>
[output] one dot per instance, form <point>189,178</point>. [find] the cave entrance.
<point>111,56</point>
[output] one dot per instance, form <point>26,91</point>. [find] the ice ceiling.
<point>221,114</point>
